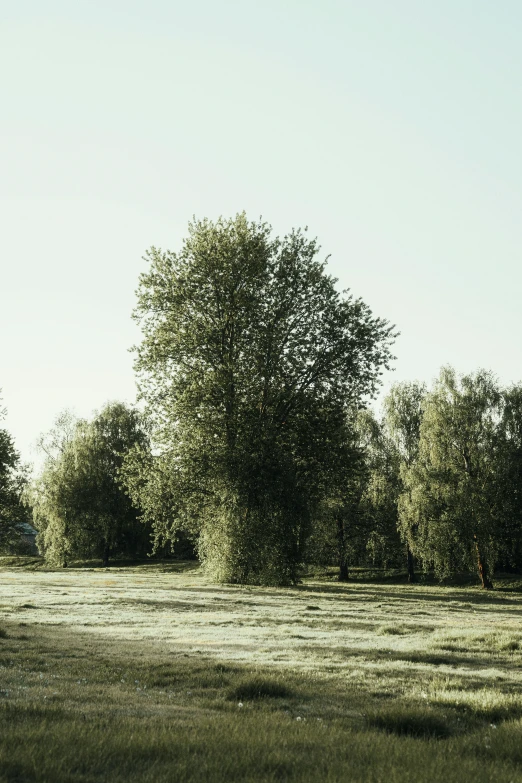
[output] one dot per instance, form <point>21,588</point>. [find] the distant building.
<point>28,535</point>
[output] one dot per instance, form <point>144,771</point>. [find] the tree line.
<point>255,447</point>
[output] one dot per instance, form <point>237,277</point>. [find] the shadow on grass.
<point>203,674</point>
<point>404,720</point>
<point>32,563</point>
<point>414,593</point>
<point>172,605</point>
<point>141,564</point>
<point>491,714</point>
<point>111,721</point>
<point>503,581</point>
<point>256,687</point>
<point>423,658</point>
<point>26,562</point>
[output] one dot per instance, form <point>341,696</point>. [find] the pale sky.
<point>392,129</point>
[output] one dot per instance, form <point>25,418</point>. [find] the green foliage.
<point>258,687</point>
<point>14,513</point>
<point>509,480</point>
<point>388,444</point>
<point>339,528</point>
<point>403,407</point>
<point>379,499</point>
<point>80,508</point>
<point>449,511</point>
<point>249,362</point>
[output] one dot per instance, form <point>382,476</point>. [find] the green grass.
<point>406,720</point>
<point>151,674</point>
<point>251,688</point>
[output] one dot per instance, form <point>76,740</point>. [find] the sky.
<point>391,130</point>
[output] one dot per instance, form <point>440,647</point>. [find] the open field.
<point>152,673</point>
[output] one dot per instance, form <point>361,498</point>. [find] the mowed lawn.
<point>152,673</point>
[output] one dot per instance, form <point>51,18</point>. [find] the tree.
<point>54,443</point>
<point>381,490</point>
<point>449,511</point>
<point>250,358</point>
<point>338,527</point>
<point>509,479</point>
<point>13,479</point>
<point>402,422</point>
<point>80,507</point>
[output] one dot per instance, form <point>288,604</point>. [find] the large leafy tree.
<point>80,507</point>
<point>249,360</point>
<point>449,510</point>
<point>13,480</point>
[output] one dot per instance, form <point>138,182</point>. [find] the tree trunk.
<point>410,564</point>
<point>343,562</point>
<point>106,552</point>
<point>482,566</point>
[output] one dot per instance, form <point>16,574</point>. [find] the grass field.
<point>152,673</point>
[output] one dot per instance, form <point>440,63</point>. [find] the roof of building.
<point>27,529</point>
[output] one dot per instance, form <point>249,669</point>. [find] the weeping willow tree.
<point>403,409</point>
<point>250,358</point>
<point>80,508</point>
<point>380,493</point>
<point>450,511</point>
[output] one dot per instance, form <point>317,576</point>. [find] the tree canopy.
<point>249,361</point>
<point>13,480</point>
<point>80,507</point>
<point>450,510</point>
<point>256,448</point>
